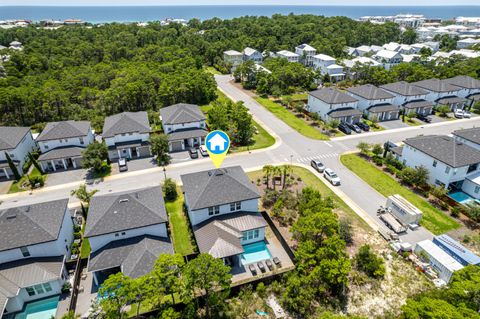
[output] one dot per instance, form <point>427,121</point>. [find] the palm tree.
<point>83,195</point>
<point>286,171</point>
<point>276,170</point>
<point>267,171</point>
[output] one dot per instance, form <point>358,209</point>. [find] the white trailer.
<point>403,210</point>
<point>393,223</point>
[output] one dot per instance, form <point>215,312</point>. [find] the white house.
<point>466,43</point>
<point>252,55</point>
<point>185,126</point>
<point>232,57</point>
<point>332,104</point>
<point>357,62</point>
<point>362,51</point>
<point>306,53</point>
<point>327,66</point>
<point>411,98</point>
<point>222,207</point>
<point>127,135</point>
<point>392,46</point>
<point>127,232</point>
<point>290,56</point>
<point>62,144</point>
<point>35,243</point>
<point>374,101</point>
<point>442,93</point>
<point>388,58</point>
<point>470,87</point>
<point>17,142</point>
<point>15,45</point>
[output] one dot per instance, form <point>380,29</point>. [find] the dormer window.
<point>25,251</point>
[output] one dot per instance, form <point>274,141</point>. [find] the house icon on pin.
<point>217,143</point>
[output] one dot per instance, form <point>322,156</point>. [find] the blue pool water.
<point>255,252</point>
<point>41,309</point>
<point>461,197</point>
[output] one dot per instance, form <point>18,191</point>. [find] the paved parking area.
<point>64,177</point>
<point>438,119</point>
<point>388,125</point>
<point>5,186</point>
<point>136,164</point>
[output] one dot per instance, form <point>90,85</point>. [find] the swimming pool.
<point>255,252</point>
<point>462,198</point>
<point>41,309</point>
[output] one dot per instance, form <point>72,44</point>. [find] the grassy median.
<point>433,219</point>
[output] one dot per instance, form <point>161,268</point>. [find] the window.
<point>447,170</point>
<point>235,206</point>
<point>12,155</point>
<point>123,233</point>
<point>215,210</point>
<point>30,291</point>
<point>251,234</point>
<point>25,251</point>
<point>123,134</point>
<point>81,140</point>
<point>477,189</point>
<point>46,146</point>
<point>434,164</point>
<point>39,289</point>
<point>66,247</point>
<point>47,287</point>
<point>116,234</point>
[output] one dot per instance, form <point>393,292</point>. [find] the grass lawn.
<point>313,181</point>
<point>291,120</point>
<point>182,240</point>
<point>15,187</point>
<point>433,219</point>
<point>298,96</point>
<point>212,70</point>
<point>412,122</point>
<point>372,127</point>
<point>85,248</point>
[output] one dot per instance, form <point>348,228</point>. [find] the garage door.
<point>177,146</point>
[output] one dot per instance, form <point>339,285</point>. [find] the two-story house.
<point>127,232</point>
<point>327,66</point>
<point>250,54</point>
<point>375,102</point>
<point>388,58</point>
<point>332,104</point>
<point>470,137</point>
<point>411,98</point>
<point>352,66</point>
<point>442,93</point>
<point>233,58</point>
<point>185,126</point>
<point>306,53</point>
<point>448,161</point>
<point>127,135</point>
<point>222,207</point>
<point>35,242</point>
<point>62,143</point>
<point>17,142</point>
<point>289,55</point>
<point>470,87</point>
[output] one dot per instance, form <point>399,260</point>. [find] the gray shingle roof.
<point>126,122</point>
<point>11,136</point>
<point>220,236</point>
<point>451,100</point>
<point>387,107</point>
<point>65,129</point>
<point>217,187</point>
<point>332,96</point>
<point>136,256</point>
<point>470,134</point>
<point>181,113</point>
<point>188,133</point>
<point>347,111</point>
<point>445,149</point>
<point>417,103</point>
<point>31,224</point>
<point>404,88</point>
<point>436,85</point>
<point>474,96</point>
<point>125,210</point>
<point>370,92</point>
<point>62,152</point>
<point>464,81</point>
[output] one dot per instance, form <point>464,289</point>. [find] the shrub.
<point>455,212</point>
<point>377,160</point>
<point>76,228</point>
<point>345,231</point>
<point>269,197</point>
<point>368,262</point>
<point>261,289</point>
<point>77,235</point>
<point>170,190</point>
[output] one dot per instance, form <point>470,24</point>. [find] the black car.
<point>424,118</point>
<point>344,128</point>
<point>363,126</point>
<point>354,127</point>
<point>193,153</point>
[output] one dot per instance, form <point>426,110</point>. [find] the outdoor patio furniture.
<point>269,264</point>
<point>261,266</point>
<point>276,261</point>
<point>252,269</point>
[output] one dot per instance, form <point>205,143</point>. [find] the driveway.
<point>136,165</point>
<point>65,177</point>
<point>5,186</point>
<point>389,125</point>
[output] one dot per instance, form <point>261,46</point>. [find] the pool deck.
<point>242,275</point>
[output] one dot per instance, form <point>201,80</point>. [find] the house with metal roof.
<point>185,126</point>
<point>411,98</point>
<point>127,232</point>
<point>17,142</point>
<point>62,143</point>
<point>289,55</point>
<point>388,58</point>
<point>127,135</point>
<point>222,208</point>
<point>35,243</point>
<point>375,102</point>
<point>306,53</point>
<point>250,54</point>
<point>441,92</point>
<point>232,57</point>
<point>459,252</point>
<point>328,66</point>
<point>331,103</point>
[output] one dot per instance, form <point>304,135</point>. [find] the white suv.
<point>331,177</point>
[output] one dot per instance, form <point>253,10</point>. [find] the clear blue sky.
<point>217,2</point>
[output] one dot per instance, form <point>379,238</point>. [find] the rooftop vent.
<point>11,216</point>
<point>123,200</point>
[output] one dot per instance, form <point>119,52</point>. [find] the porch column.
<point>64,163</point>
<point>130,152</point>
<point>6,173</point>
<point>53,165</point>
<point>95,278</point>
<point>138,152</point>
<point>119,153</point>
<point>74,164</point>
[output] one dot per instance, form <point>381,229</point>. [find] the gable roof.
<point>436,85</point>
<point>181,113</point>
<point>306,47</point>
<point>64,129</point>
<point>121,211</point>
<point>31,224</point>
<point>370,92</point>
<point>387,54</point>
<point>249,51</point>
<point>232,52</point>
<point>287,53</point>
<point>135,256</point>
<point>404,88</point>
<point>217,187</point>
<point>11,136</point>
<point>331,95</point>
<point>126,122</point>
<point>324,57</point>
<point>464,81</point>
<point>445,149</point>
<point>470,134</point>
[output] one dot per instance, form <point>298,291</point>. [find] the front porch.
<point>383,112</point>
<point>422,107</point>
<point>347,115</point>
<point>182,140</point>
<point>129,150</point>
<point>454,102</point>
<point>62,158</point>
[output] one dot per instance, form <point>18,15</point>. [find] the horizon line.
<point>252,5</point>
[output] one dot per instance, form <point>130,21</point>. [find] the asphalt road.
<point>290,147</point>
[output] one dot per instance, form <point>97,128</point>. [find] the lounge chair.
<point>252,269</point>
<point>269,264</point>
<point>261,266</point>
<point>276,261</point>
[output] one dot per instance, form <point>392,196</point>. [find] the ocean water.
<point>148,13</point>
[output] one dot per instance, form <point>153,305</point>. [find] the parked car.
<point>467,114</point>
<point>459,114</point>
<point>317,165</point>
<point>354,127</point>
<point>424,118</point>
<point>344,128</point>
<point>122,165</point>
<point>203,150</point>
<point>331,176</point>
<point>363,126</point>
<point>193,152</point>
